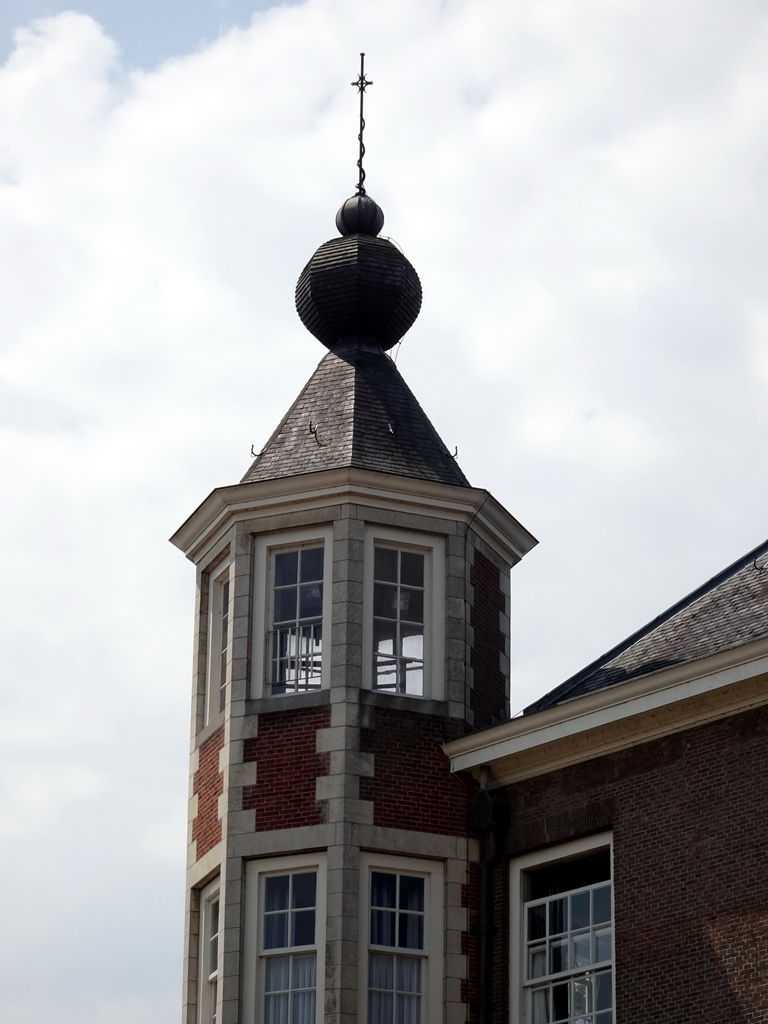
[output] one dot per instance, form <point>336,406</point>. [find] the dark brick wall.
<point>489,700</point>
<point>287,767</point>
<point>690,830</point>
<point>412,787</point>
<point>208,785</point>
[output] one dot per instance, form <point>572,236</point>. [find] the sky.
<point>583,189</point>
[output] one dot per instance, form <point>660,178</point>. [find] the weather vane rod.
<point>362,84</point>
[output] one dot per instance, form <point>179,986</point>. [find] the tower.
<point>352,615</point>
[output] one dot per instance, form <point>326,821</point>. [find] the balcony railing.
<point>295,656</point>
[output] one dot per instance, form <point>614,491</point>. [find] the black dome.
<point>359,215</point>
<point>358,286</point>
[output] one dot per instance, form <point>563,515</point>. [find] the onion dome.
<point>358,286</point>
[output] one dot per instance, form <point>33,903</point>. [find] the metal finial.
<point>362,84</point>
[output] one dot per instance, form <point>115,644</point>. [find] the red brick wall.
<point>489,700</point>
<point>412,787</point>
<point>287,767</point>
<point>690,828</point>
<point>208,785</point>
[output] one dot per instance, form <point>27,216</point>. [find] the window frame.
<point>208,981</point>
<point>433,548</point>
<point>256,871</point>
<point>220,580</point>
<point>267,546</point>
<point>433,873</point>
<point>520,867</point>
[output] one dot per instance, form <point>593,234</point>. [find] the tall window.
<point>404,612</point>
<point>219,639</point>
<point>295,641</point>
<point>567,941</point>
<point>209,954</point>
<point>403,935</point>
<point>285,937</point>
<point>398,620</point>
<point>291,606</point>
<point>395,960</point>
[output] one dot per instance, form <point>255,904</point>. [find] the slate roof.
<point>729,610</point>
<point>356,411</point>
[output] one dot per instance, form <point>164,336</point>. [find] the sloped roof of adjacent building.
<point>728,611</point>
<point>356,411</point>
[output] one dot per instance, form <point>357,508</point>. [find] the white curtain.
<point>394,989</point>
<point>289,989</point>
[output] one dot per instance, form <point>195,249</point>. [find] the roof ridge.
<point>560,693</point>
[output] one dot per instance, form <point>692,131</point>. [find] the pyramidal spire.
<point>358,295</point>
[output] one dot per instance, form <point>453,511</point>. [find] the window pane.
<point>537,962</point>
<point>286,568</point>
<point>385,564</point>
<point>386,674</point>
<point>580,950</point>
<point>603,945</point>
<point>310,600</point>
<point>311,564</point>
<point>412,569</point>
<point>558,957</point>
<point>277,974</point>
<point>304,889</point>
<point>275,931</point>
<point>541,1006</point>
<point>411,605</point>
<point>380,1007</point>
<point>385,601</point>
<point>604,990</point>
<point>305,970</point>
<point>383,889</point>
<point>411,893</point>
<point>560,1002</point>
<point>303,928</point>
<point>408,1009</point>
<point>411,931</point>
<point>383,927</point>
<point>413,642</point>
<point>285,605</point>
<point>537,921</point>
<point>276,1009</point>
<point>408,974</point>
<point>384,635</point>
<point>276,892</point>
<point>601,904</point>
<point>414,679</point>
<point>381,973</point>
<point>303,1008</point>
<point>580,910</point>
<point>558,916</point>
<point>580,997</point>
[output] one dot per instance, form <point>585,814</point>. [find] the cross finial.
<point>362,84</point>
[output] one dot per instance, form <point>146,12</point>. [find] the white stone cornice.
<point>618,717</point>
<point>315,491</point>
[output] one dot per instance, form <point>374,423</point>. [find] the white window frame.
<point>519,867</point>
<point>218,579</point>
<point>266,547</point>
<point>433,548</point>
<point>208,987</point>
<point>433,873</point>
<point>255,956</point>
